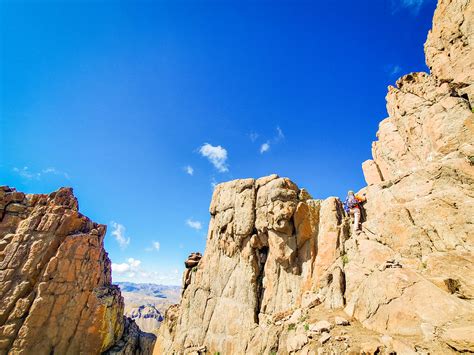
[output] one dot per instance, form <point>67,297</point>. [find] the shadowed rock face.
<point>274,254</point>
<point>56,294</point>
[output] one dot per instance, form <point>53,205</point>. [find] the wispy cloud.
<point>118,233</point>
<point>265,147</point>
<point>194,224</point>
<point>189,170</point>
<point>277,138</point>
<point>395,69</point>
<point>213,183</point>
<point>155,246</point>
<point>253,136</point>
<point>26,173</point>
<point>217,155</point>
<point>55,172</point>
<point>413,6</point>
<point>280,134</point>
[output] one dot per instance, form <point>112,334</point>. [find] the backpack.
<point>351,202</point>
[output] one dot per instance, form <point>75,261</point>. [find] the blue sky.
<point>142,106</point>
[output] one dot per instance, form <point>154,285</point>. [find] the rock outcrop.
<point>56,294</point>
<point>147,317</point>
<point>191,264</point>
<point>277,261</point>
<point>267,245</point>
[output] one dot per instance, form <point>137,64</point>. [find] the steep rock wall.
<point>261,256</point>
<point>56,294</point>
<point>273,253</point>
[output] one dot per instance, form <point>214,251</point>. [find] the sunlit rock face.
<point>56,294</point>
<point>268,243</point>
<point>277,260</point>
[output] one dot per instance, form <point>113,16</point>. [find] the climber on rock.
<point>353,208</point>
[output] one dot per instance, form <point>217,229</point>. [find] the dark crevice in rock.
<point>452,285</point>
<point>262,255</point>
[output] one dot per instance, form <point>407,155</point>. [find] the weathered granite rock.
<point>450,45</point>
<point>320,327</point>
<point>274,254</point>
<point>191,264</point>
<point>421,210</point>
<point>133,341</point>
<point>266,247</point>
<point>56,294</point>
<point>296,342</point>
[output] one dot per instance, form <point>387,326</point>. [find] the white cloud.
<point>120,268</point>
<point>131,266</point>
<point>253,136</point>
<point>413,5</point>
<point>26,173</point>
<point>134,263</point>
<point>280,134</point>
<point>217,155</point>
<point>55,172</point>
<point>189,170</point>
<point>394,69</point>
<point>277,138</point>
<point>194,224</point>
<point>155,246</point>
<point>133,271</point>
<point>119,234</point>
<point>265,147</point>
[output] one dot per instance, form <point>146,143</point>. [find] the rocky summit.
<point>56,294</point>
<point>283,272</point>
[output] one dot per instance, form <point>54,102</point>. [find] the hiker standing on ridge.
<point>352,207</point>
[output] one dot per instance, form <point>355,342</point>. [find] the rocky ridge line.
<point>278,263</point>
<point>56,294</point>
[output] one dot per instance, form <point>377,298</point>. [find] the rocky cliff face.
<point>278,264</point>
<point>56,294</point>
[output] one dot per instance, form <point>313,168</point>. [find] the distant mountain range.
<point>147,303</point>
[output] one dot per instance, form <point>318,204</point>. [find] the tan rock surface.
<point>260,258</point>
<point>56,294</point>
<point>449,48</point>
<point>277,260</point>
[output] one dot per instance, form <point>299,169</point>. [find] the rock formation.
<point>191,264</point>
<point>147,317</point>
<point>281,269</point>
<point>56,294</point>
